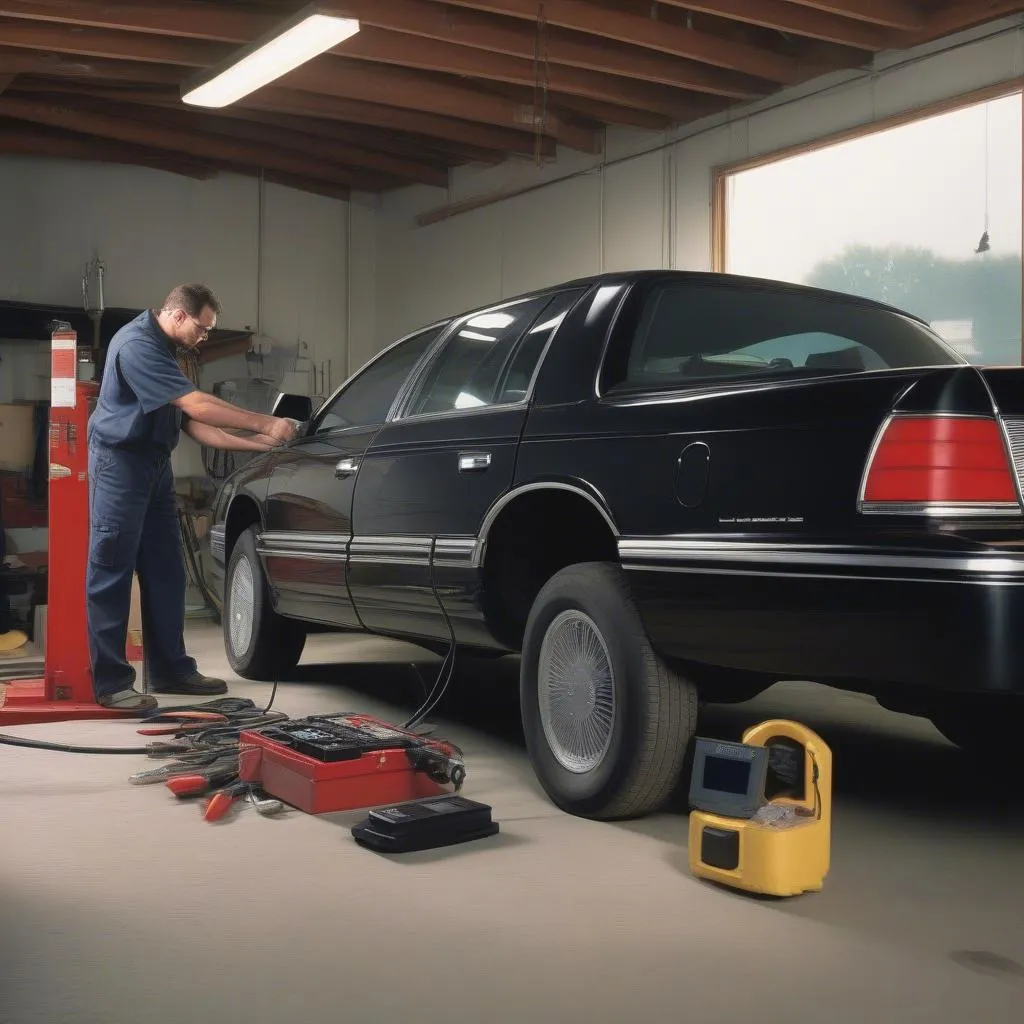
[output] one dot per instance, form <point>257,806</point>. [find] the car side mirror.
<point>293,407</point>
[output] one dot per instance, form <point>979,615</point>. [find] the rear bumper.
<point>872,618</point>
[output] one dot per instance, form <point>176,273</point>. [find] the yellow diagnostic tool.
<point>761,817</point>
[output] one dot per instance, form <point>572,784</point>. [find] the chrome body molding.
<point>456,552</point>
<point>401,550</point>
<point>944,510</point>
<point>327,547</point>
<point>841,561</point>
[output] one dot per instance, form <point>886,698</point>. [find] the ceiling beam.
<point>329,75</point>
<point>17,138</point>
<point>964,14</point>
<point>901,14</point>
<point>313,148</point>
<point>451,58</point>
<point>422,149</point>
<point>785,16</point>
<point>204,21</point>
<point>122,128</point>
<point>650,34</point>
<point>479,139</point>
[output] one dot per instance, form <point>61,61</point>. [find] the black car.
<point>658,487</point>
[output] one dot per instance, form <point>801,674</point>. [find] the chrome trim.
<point>496,509</point>
<point>474,462</point>
<point>302,556</point>
<point>455,552</point>
<point>286,543</point>
<point>639,550</point>
<point>942,509</point>
<point>1013,438</point>
<point>844,577</point>
<point>400,550</point>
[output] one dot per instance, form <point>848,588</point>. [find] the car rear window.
<point>671,334</point>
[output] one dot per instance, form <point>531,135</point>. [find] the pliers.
<point>186,764</point>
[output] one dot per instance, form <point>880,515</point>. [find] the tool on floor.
<point>425,825</point>
<point>345,761</point>
<point>761,813</point>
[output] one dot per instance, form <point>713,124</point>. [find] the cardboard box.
<point>17,437</point>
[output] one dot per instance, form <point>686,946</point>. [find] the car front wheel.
<point>260,644</point>
<point>607,722</point>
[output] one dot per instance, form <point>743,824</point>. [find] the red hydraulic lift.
<point>65,690</point>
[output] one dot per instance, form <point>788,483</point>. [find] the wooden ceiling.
<point>425,85</point>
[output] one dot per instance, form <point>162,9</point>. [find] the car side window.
<point>679,333</point>
<point>472,368</point>
<point>369,397</point>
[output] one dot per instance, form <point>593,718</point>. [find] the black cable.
<point>17,741</point>
<point>431,701</point>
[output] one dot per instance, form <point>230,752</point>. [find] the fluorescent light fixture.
<point>311,32</point>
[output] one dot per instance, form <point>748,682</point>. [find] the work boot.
<point>128,700</point>
<point>12,641</point>
<point>196,685</point>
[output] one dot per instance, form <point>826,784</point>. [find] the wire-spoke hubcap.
<point>576,692</point>
<point>241,607</point>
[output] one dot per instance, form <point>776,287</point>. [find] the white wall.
<point>154,230</point>
<point>648,201</point>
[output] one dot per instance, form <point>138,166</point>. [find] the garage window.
<point>922,213</point>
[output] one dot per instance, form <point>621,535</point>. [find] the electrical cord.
<point>237,708</point>
<point>443,680</point>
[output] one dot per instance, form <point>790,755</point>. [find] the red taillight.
<point>940,460</point>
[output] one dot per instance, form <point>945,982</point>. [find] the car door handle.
<point>346,467</point>
<point>474,462</point>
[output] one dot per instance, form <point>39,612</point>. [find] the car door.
<point>309,499</point>
<point>433,472</point>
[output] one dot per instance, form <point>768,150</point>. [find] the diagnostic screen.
<point>726,775</point>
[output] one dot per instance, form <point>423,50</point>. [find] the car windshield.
<point>679,333</point>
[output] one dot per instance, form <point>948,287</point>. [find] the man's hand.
<point>281,430</point>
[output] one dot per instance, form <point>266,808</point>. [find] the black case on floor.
<point>424,824</point>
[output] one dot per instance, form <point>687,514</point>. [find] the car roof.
<point>709,277</point>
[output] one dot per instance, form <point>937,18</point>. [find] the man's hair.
<point>192,298</point>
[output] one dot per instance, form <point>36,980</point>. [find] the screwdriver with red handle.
<point>220,803</point>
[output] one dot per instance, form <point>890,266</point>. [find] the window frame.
<point>621,336</point>
<point>418,380</point>
<point>441,326</point>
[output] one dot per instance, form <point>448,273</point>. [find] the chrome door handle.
<point>346,468</point>
<point>474,462</point>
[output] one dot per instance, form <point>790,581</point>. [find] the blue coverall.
<point>133,511</point>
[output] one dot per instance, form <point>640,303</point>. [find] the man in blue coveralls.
<point>145,401</point>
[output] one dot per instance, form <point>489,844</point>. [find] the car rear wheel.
<point>260,644</point>
<point>607,722</point>
<point>985,725</point>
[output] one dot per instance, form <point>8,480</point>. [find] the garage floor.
<point>118,904</point>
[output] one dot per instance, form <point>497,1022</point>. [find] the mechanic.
<point>144,403</point>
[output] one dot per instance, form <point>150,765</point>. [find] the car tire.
<point>988,726</point>
<point>607,722</point>
<point>260,644</point>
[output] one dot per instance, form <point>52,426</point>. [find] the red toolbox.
<point>344,762</point>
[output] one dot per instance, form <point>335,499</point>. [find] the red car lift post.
<point>65,691</point>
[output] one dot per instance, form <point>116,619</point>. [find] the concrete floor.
<point>119,904</point>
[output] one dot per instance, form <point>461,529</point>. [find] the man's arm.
<point>214,437</point>
<point>211,411</point>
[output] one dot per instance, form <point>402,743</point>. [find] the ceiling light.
<point>311,32</point>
